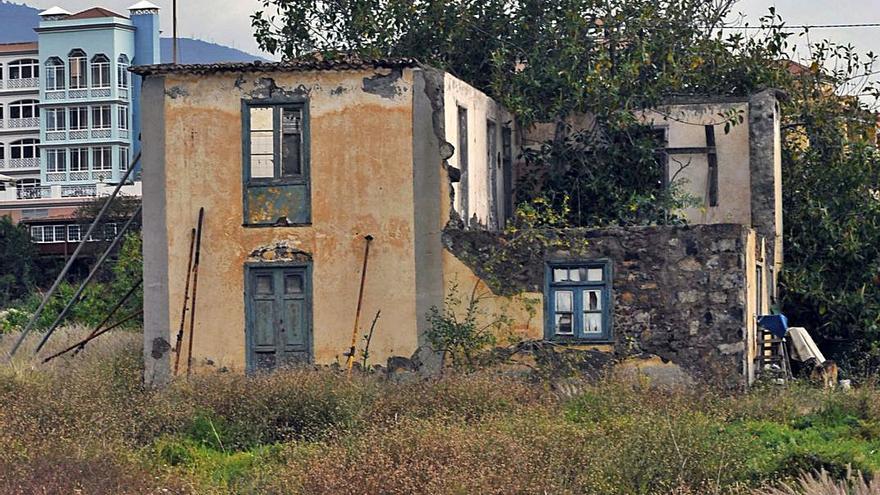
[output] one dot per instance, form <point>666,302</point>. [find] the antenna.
<point>174,29</point>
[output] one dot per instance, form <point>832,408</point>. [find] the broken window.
<point>277,189</point>
<point>578,296</point>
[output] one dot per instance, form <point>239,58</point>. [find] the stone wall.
<point>678,292</point>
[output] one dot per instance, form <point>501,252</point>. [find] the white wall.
<point>480,109</point>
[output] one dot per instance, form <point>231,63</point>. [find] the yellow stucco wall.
<point>684,129</point>
<point>361,183</point>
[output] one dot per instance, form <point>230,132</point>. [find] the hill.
<point>19,21</point>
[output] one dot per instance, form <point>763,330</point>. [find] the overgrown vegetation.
<point>86,424</point>
<point>548,61</point>
<point>17,266</point>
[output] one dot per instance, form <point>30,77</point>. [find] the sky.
<point>228,21</point>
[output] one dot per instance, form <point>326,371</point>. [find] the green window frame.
<point>577,301</point>
<point>276,162</point>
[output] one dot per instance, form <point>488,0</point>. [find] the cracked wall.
<point>361,128</point>
<point>685,294</point>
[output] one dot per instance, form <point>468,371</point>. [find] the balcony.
<point>19,163</point>
<point>70,191</point>
<point>28,83</point>
<point>83,191</point>
<point>33,192</point>
<point>30,122</point>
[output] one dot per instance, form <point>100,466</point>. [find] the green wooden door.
<point>278,305</point>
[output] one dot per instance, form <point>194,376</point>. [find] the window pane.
<point>560,275</point>
<point>262,166</point>
<point>291,154</point>
<point>594,275</point>
<point>293,284</point>
<point>263,284</point>
<point>592,322</point>
<point>261,119</point>
<point>563,301</point>
<point>60,231</point>
<point>592,300</point>
<point>563,324</point>
<point>574,275</point>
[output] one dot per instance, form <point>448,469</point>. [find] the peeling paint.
<point>176,92</point>
<point>339,90</point>
<point>265,88</point>
<point>385,85</point>
<point>160,347</point>
<point>280,251</point>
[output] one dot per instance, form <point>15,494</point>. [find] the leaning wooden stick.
<point>189,266</point>
<point>96,335</point>
<point>357,315</point>
<point>192,313</point>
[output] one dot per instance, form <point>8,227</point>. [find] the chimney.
<point>54,14</point>
<point>145,18</point>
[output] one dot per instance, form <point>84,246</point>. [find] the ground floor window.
<point>577,300</point>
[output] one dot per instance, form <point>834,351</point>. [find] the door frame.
<point>249,268</point>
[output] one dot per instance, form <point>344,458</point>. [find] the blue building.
<point>89,101</point>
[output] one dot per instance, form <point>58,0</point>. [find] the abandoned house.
<point>296,163</point>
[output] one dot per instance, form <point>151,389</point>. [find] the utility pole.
<point>174,29</point>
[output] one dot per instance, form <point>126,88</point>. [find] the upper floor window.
<point>77,61</point>
<point>54,74</point>
<point>101,117</point>
<point>79,118</point>
<point>23,109</point>
<point>55,119</point>
<point>102,158</point>
<point>122,116</point>
<point>276,164</point>
<point>122,71</point>
<point>123,158</point>
<point>79,159</point>
<point>577,301</point>
<point>56,160</point>
<point>27,68</point>
<point>24,148</point>
<point>100,71</point>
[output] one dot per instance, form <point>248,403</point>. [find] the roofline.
<point>301,65</point>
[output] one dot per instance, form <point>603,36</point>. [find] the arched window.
<point>77,61</point>
<point>100,71</point>
<point>26,68</point>
<point>24,148</point>
<point>122,72</point>
<point>23,109</point>
<point>54,74</point>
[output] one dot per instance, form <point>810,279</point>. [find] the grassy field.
<point>86,424</point>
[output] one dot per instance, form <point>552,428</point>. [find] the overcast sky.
<point>228,21</point>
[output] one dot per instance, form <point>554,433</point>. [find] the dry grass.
<point>85,425</point>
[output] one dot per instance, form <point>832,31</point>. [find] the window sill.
<point>558,339</point>
<point>274,225</point>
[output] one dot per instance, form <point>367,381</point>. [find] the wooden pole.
<point>95,335</point>
<point>192,313</point>
<point>174,29</point>
<point>357,315</point>
<point>189,267</point>
<point>72,258</point>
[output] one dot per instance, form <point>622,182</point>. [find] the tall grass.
<point>86,425</point>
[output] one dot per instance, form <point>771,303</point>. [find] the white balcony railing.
<point>30,82</point>
<point>33,192</point>
<point>71,191</point>
<point>56,94</point>
<point>78,93</point>
<point>24,123</point>
<point>83,191</point>
<point>79,134</point>
<point>19,163</point>
<point>100,92</point>
<point>101,133</point>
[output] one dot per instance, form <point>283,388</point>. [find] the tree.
<point>17,268</point>
<point>548,59</point>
